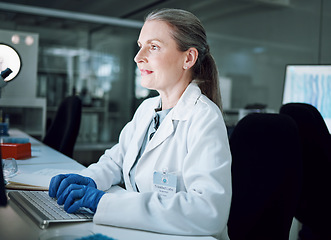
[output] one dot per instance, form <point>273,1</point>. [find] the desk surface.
<point>14,224</point>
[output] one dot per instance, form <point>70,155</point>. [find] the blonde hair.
<point>188,32</point>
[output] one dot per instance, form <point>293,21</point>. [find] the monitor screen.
<point>309,84</point>
<point>3,197</point>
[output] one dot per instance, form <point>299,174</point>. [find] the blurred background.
<point>87,48</point>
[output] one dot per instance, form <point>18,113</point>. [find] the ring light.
<point>9,58</point>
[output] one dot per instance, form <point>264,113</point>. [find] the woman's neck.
<point>170,98</point>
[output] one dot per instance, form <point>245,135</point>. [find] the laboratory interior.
<point>72,70</point>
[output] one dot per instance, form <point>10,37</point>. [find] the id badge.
<point>164,183</point>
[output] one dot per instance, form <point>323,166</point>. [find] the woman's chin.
<point>147,85</point>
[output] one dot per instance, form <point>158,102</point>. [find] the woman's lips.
<point>145,72</point>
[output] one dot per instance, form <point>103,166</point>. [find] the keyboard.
<point>45,210</point>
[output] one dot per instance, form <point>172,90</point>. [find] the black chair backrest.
<point>266,177</point>
<point>314,209</point>
<point>63,132</point>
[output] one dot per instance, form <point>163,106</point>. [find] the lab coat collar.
<point>186,102</point>
<point>180,112</point>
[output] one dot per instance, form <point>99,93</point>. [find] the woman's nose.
<point>140,57</point>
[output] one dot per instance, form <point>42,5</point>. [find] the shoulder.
<point>205,104</point>
<point>197,112</point>
<point>205,109</point>
<point>193,103</point>
<point>206,113</point>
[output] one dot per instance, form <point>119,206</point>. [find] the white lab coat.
<point>192,143</point>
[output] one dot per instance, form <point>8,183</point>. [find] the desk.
<point>14,224</point>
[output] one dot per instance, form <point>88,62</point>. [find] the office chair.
<point>314,209</point>
<point>266,177</point>
<point>63,132</point>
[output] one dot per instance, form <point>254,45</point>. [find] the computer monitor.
<point>309,84</point>
<point>3,197</point>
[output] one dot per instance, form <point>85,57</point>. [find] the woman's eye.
<point>154,47</point>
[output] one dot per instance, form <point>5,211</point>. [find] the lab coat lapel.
<point>136,143</point>
<point>179,113</point>
<point>165,130</point>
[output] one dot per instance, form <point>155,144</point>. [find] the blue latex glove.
<point>76,196</point>
<point>60,182</point>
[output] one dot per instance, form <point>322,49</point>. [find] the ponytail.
<point>206,76</point>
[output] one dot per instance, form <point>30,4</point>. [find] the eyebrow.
<point>151,40</point>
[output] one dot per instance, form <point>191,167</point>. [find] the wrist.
<point>92,183</point>
<point>97,199</point>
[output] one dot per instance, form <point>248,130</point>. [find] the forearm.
<point>184,214</point>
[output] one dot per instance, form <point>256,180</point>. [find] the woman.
<point>173,157</point>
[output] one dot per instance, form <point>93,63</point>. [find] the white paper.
<point>40,178</point>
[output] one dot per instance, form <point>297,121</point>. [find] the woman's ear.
<point>191,58</point>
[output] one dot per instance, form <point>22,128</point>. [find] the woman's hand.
<point>60,182</point>
<point>76,196</point>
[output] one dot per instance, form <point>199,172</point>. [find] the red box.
<point>16,150</point>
